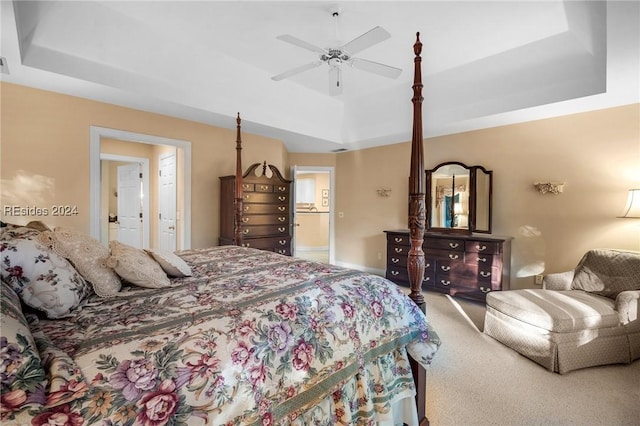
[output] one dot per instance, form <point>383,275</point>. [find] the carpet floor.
<point>476,380</point>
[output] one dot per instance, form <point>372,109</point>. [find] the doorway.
<point>182,150</point>
<point>313,200</point>
<point>119,206</point>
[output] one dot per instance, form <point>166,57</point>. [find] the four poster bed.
<point>225,335</point>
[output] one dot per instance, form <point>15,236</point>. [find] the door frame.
<point>184,162</point>
<point>144,164</point>
<point>318,169</point>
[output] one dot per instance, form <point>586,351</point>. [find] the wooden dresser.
<point>460,265</point>
<point>266,206</point>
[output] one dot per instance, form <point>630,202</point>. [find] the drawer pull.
<point>245,219</point>
<point>282,198</point>
<point>485,289</point>
<point>282,188</point>
<point>481,248</point>
<point>454,245</point>
<point>246,245</point>
<point>485,274</point>
<point>427,265</point>
<point>281,251</point>
<point>445,282</point>
<point>245,186</point>
<point>395,273</point>
<point>395,260</point>
<point>264,187</point>
<point>398,249</point>
<point>453,256</point>
<point>247,196</point>
<point>425,279</point>
<point>246,208</point>
<point>282,242</point>
<point>282,219</point>
<point>245,231</point>
<point>281,208</point>
<point>482,259</point>
<point>398,239</point>
<point>281,229</point>
<point>445,268</point>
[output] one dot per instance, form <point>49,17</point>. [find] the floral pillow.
<point>10,231</point>
<point>22,377</point>
<point>43,280</point>
<point>89,257</point>
<point>136,266</point>
<point>173,265</point>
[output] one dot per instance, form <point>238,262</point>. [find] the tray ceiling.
<point>484,63</point>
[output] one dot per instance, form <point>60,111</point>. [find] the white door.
<point>167,201</point>
<point>130,204</point>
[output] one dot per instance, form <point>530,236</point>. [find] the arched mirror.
<point>459,198</point>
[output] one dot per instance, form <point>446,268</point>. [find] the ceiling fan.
<point>337,57</point>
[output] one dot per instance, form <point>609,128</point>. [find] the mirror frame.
<point>473,201</point>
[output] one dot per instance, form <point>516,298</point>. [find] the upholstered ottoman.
<point>561,330</point>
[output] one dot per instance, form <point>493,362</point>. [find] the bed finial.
<point>239,195</point>
<point>417,212</point>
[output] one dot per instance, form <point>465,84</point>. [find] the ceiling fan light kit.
<point>335,57</point>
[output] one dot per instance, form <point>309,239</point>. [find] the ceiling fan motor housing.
<point>334,57</point>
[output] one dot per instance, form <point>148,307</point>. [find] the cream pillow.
<point>136,266</point>
<point>173,265</point>
<point>87,255</point>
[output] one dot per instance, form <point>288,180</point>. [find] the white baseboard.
<point>367,269</point>
<point>312,248</point>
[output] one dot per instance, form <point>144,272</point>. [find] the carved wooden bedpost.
<point>239,196</point>
<point>417,214</point>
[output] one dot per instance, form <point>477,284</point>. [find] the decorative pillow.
<point>171,263</point>
<point>38,225</point>
<point>88,256</point>
<point>16,231</point>
<point>136,266</point>
<point>608,272</point>
<point>42,279</point>
<point>22,377</point>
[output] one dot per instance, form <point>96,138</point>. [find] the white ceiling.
<point>485,63</point>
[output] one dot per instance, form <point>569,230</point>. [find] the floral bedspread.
<point>252,338</point>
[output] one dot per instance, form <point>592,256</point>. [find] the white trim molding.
<point>96,135</point>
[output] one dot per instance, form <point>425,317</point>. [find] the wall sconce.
<point>383,192</point>
<point>632,209</point>
<point>549,187</point>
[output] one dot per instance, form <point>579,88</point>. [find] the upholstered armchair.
<point>586,317</point>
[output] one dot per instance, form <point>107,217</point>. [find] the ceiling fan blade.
<point>300,43</point>
<point>368,39</point>
<point>296,70</point>
<point>376,68</point>
<point>335,81</point>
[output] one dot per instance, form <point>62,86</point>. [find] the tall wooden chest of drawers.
<point>266,205</point>
<point>460,265</point>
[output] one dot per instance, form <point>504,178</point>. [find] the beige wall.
<point>45,152</point>
<point>597,155</point>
